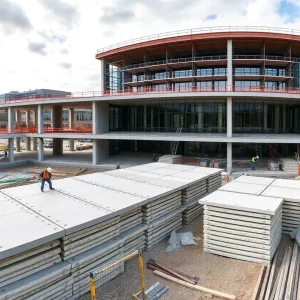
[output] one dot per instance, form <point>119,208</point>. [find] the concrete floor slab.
<point>108,199</point>
<point>284,192</point>
<point>23,191</point>
<point>293,184</point>
<point>25,230</point>
<point>10,207</point>
<point>256,180</point>
<point>69,213</point>
<point>244,188</point>
<point>252,203</point>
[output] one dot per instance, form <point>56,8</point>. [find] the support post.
<point>17,122</point>
<point>229,117</point>
<point>220,118</point>
<point>10,123</point>
<point>229,66</point>
<point>57,123</point>
<point>229,157</point>
<point>100,150</point>
<point>40,149</point>
<point>40,119</point>
<point>11,150</point>
<point>35,118</point>
<point>28,144</point>
<point>277,118</point>
<point>71,125</point>
<point>71,145</point>
<point>102,76</point>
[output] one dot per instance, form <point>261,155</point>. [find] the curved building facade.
<point>236,70</point>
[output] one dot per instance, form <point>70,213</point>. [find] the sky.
<point>52,43</point>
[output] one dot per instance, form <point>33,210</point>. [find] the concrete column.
<point>18,145</point>
<point>11,154</point>
<point>40,119</point>
<point>57,114</point>
<point>229,117</point>
<point>40,149</point>
<point>35,122</point>
<point>229,65</point>
<point>10,122</point>
<point>71,118</point>
<point>17,140</point>
<point>145,117</point>
<point>100,117</point>
<point>266,117</point>
<point>28,144</point>
<point>34,141</point>
<point>102,76</point>
<point>27,113</point>
<point>284,118</point>
<point>220,118</point>
<point>229,157</point>
<point>100,150</point>
<point>200,117</point>
<point>71,145</point>
<point>277,120</point>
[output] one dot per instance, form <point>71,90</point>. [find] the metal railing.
<point>196,59</point>
<point>203,30</point>
<point>192,89</point>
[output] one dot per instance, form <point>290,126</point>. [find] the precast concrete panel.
<point>244,188</point>
<point>180,167</point>
<point>293,184</point>
<point>192,176</point>
<point>25,230</point>
<point>255,180</point>
<point>253,203</point>
<point>10,207</point>
<point>126,186</point>
<point>165,171</point>
<point>105,198</point>
<point>66,182</point>
<point>4,197</point>
<point>24,191</point>
<point>69,213</point>
<point>203,170</point>
<point>292,195</point>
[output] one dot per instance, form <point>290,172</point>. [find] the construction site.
<point>185,183</point>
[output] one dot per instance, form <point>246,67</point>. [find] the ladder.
<point>175,145</point>
<point>258,150</point>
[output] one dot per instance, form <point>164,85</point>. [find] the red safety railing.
<point>48,129</point>
<point>193,89</point>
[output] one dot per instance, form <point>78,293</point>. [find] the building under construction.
<point>219,92</point>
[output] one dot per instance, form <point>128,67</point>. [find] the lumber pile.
<point>289,165</point>
<point>242,226</point>
<point>286,283</point>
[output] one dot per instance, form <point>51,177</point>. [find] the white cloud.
<point>69,32</point>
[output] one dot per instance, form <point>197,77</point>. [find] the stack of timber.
<point>289,190</point>
<point>286,284</point>
<point>289,165</point>
<point>93,259</point>
<point>242,226</point>
<point>170,159</point>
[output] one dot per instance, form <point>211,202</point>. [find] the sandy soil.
<point>227,275</point>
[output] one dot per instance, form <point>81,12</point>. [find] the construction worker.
<point>253,161</point>
<point>46,176</point>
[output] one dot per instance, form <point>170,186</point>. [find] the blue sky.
<point>287,8</point>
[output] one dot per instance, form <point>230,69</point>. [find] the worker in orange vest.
<point>46,176</point>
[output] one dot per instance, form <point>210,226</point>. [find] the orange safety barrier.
<point>68,130</point>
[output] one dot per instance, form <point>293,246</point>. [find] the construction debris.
<point>195,287</point>
<point>170,159</point>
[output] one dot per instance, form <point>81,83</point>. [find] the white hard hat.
<point>257,156</point>
<point>49,169</point>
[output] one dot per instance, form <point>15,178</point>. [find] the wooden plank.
<point>195,287</point>
<point>258,283</point>
<point>282,280</point>
<point>275,286</point>
<point>270,282</point>
<point>291,274</point>
<point>265,282</point>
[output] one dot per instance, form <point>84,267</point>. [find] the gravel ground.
<point>226,275</point>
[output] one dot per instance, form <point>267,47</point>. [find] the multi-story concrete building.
<point>231,91</point>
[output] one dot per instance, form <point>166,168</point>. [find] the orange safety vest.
<point>46,175</point>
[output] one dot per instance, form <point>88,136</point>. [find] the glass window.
<point>204,72</point>
<point>246,71</point>
<point>182,73</point>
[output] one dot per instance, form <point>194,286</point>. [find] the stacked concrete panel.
<point>289,190</point>
<point>170,159</point>
<point>242,226</point>
<point>193,210</point>
<point>87,222</point>
<point>289,165</point>
<point>93,259</point>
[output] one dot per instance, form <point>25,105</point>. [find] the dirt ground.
<point>223,274</point>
